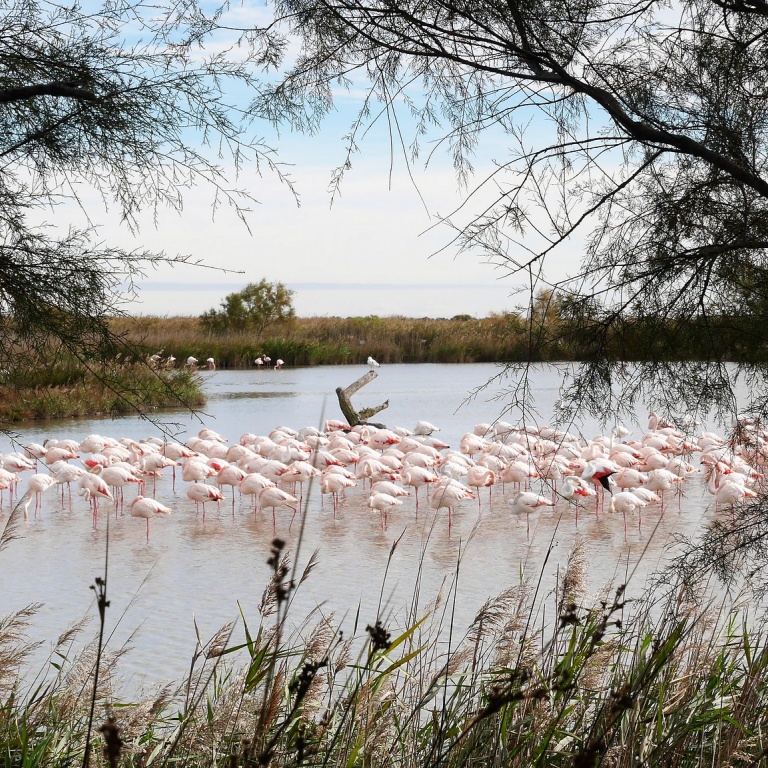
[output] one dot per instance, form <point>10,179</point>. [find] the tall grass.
<point>65,388</point>
<point>673,679</point>
<point>332,341</point>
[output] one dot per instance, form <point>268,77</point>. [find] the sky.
<point>378,249</point>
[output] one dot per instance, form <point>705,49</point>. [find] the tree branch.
<point>60,89</point>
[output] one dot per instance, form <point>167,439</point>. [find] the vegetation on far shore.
<point>60,386</point>
<point>555,331</point>
<point>55,385</point>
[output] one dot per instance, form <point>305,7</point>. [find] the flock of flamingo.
<point>390,465</point>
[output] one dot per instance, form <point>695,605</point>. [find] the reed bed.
<point>334,341</point>
<point>66,387</point>
<point>673,679</point>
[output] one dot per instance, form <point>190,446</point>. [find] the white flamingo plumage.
<point>146,509</point>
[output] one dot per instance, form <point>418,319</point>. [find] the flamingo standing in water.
<point>272,496</point>
<point>253,484</point>
<point>93,488</point>
<point>625,502</point>
<point>448,495</point>
<point>233,476</point>
<point>37,485</point>
<point>334,483</point>
<point>573,488</point>
<point>527,502</point>
<point>117,478</point>
<point>415,477</point>
<point>383,502</point>
<point>147,509</point>
<point>481,477</point>
<point>202,493</point>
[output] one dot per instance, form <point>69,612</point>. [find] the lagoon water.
<point>204,573</point>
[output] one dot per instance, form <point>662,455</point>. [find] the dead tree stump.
<point>350,414</point>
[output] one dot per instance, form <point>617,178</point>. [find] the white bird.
<point>481,477</point>
<point>147,509</point>
<point>253,484</point>
<point>333,483</point>
<point>415,477</point>
<point>449,494</point>
<point>372,363</point>
<point>37,485</point>
<point>527,502</point>
<point>202,493</point>
<point>276,497</point>
<point>383,502</point>
<point>92,488</point>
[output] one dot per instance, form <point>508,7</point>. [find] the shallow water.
<point>206,571</point>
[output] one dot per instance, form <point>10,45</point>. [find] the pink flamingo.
<point>273,496</point>
<point>147,509</point>
<point>202,493</point>
<point>383,502</point>
<point>481,477</point>
<point>37,485</point>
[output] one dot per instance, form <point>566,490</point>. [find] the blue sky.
<point>379,249</point>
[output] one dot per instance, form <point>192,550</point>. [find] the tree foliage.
<point>252,309</point>
<point>119,101</point>
<point>639,127</point>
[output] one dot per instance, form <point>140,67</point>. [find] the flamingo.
<point>92,488</point>
<point>273,496</point>
<point>333,483</point>
<point>573,487</point>
<point>253,484</point>
<point>527,502</point>
<point>37,485</point>
<point>625,502</point>
<point>233,476</point>
<point>416,477</point>
<point>383,502</point>
<point>448,495</point>
<point>299,472</point>
<point>35,451</point>
<point>66,474</point>
<point>202,493</point>
<point>153,464</point>
<point>481,477</point>
<point>390,488</point>
<point>118,477</point>
<point>147,509</point>
<point>279,364</point>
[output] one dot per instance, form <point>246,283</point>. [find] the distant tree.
<point>254,308</point>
